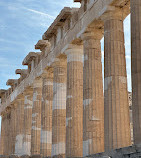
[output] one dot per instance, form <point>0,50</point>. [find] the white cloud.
<point>128,57</point>
<point>40,13</point>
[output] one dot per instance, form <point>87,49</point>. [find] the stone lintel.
<point>64,14</point>
<point>11,82</point>
<point>28,59</point>
<point>41,44</point>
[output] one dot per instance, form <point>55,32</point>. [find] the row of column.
<point>65,113</point>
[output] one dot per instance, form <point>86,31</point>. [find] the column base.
<point>3,156</point>
<point>25,156</point>
<point>13,156</point>
<point>59,156</point>
<point>36,156</point>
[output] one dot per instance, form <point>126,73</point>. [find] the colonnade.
<point>65,112</point>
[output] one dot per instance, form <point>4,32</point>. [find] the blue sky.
<point>22,24</point>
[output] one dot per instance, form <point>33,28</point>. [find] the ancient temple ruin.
<point>57,107</point>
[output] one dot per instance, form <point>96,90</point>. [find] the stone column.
<point>136,67</point>
<point>13,127</point>
<point>59,109</point>
<point>117,123</point>
<point>2,134</point>
<point>74,112</point>
<point>1,139</point>
<point>36,117</point>
<point>6,135</point>
<point>9,147</point>
<point>93,100</point>
<point>46,114</point>
<point>19,126</point>
<point>6,132</point>
<point>28,102</point>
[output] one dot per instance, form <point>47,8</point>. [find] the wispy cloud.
<point>40,13</point>
<point>12,42</point>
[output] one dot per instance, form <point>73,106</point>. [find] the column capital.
<point>59,62</point>
<point>37,83</point>
<point>92,33</point>
<point>48,73</point>
<point>75,47</point>
<point>112,12</point>
<point>20,98</point>
<point>7,110</point>
<point>28,91</point>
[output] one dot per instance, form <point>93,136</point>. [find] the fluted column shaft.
<point>74,112</point>
<point>19,127</point>
<point>59,109</point>
<point>2,134</point>
<point>136,67</point>
<point>46,117</point>
<point>117,123</point>
<point>9,147</point>
<point>36,117</point>
<point>5,135</point>
<point>93,100</point>
<point>13,127</point>
<point>28,102</point>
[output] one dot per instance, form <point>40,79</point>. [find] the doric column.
<point>1,139</point>
<point>28,102</point>
<point>6,132</point>
<point>36,117</point>
<point>46,114</point>
<point>93,100</point>
<point>59,109</point>
<point>2,99</point>
<point>117,123</point>
<point>9,147</point>
<point>19,126</point>
<point>136,67</point>
<point>3,134</point>
<point>6,149</point>
<point>74,112</point>
<point>6,136</point>
<point>13,128</point>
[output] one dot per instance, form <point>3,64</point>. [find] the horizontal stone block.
<point>36,156</point>
<point>127,152</point>
<point>13,156</point>
<point>25,156</point>
<point>3,156</point>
